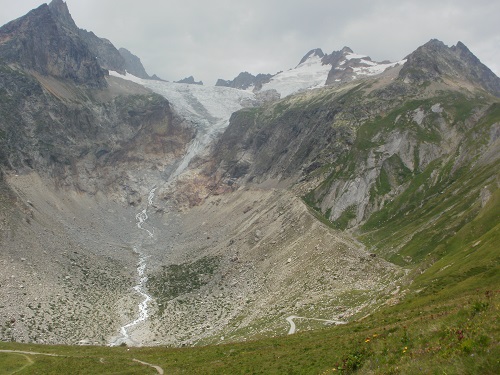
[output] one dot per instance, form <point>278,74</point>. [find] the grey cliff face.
<point>190,81</point>
<point>48,44</point>
<point>133,64</point>
<point>244,80</point>
<point>107,55</point>
<point>435,61</point>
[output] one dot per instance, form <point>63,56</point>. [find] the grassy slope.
<point>432,334</point>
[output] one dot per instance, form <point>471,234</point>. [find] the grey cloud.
<point>219,38</point>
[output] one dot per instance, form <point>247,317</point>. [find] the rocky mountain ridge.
<point>190,80</point>
<point>434,61</point>
<point>33,42</point>
<point>46,43</point>
<point>315,69</point>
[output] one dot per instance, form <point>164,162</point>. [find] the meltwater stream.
<point>140,288</point>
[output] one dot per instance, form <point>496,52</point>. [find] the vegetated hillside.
<point>381,153</point>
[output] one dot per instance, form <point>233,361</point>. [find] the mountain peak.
<point>60,10</point>
<point>46,40</point>
<point>245,80</point>
<point>346,50</point>
<point>190,81</point>
<point>314,52</point>
<point>434,61</point>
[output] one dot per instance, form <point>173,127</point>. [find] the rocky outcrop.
<point>133,64</point>
<point>436,61</point>
<point>190,81</point>
<point>46,41</point>
<point>245,80</point>
<point>107,55</point>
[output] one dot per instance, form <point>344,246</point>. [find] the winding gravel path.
<point>292,329</point>
<point>31,353</point>
<point>157,368</point>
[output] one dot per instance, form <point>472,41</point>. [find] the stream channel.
<point>125,337</point>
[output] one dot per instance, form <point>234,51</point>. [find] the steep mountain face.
<point>50,45</point>
<point>48,41</point>
<point>105,52</point>
<point>133,64</point>
<point>75,135</point>
<point>190,81</point>
<point>435,61</point>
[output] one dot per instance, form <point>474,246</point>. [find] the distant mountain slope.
<point>133,64</point>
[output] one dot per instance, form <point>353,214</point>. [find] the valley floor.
<point>231,269</point>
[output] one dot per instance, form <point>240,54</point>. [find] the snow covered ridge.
<point>367,67</point>
<point>310,74</point>
<point>317,70</point>
<point>209,106</point>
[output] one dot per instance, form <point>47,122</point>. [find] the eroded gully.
<point>125,336</point>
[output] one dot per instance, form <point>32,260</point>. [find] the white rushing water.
<point>140,288</point>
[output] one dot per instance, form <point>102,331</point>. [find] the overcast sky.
<point>220,38</point>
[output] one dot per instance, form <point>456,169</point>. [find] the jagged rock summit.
<point>434,60</point>
<point>314,52</point>
<point>47,41</point>
<point>190,81</point>
<point>133,64</point>
<point>245,81</point>
<point>315,69</point>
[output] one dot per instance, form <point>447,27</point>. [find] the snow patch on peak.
<point>311,73</point>
<point>374,68</point>
<point>312,53</point>
<point>351,55</point>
